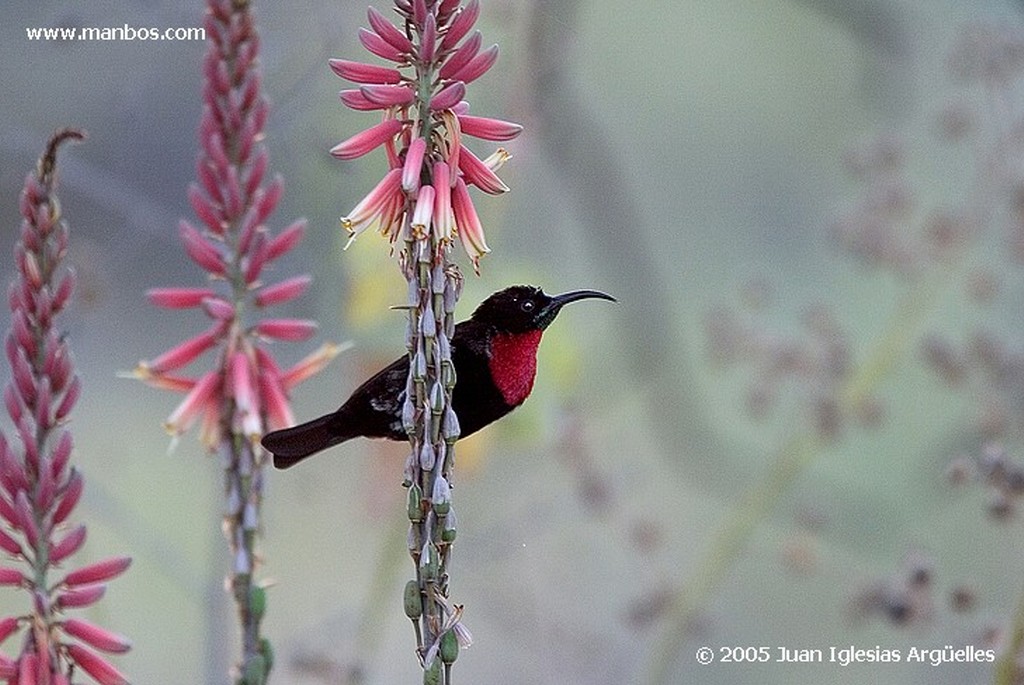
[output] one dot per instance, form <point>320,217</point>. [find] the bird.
<point>494,353</point>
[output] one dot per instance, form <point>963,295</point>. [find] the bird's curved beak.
<point>548,313</point>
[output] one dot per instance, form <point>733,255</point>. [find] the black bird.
<point>495,358</point>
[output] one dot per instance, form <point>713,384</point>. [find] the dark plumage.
<point>494,353</point>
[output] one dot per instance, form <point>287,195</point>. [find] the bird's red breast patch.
<point>514,364</point>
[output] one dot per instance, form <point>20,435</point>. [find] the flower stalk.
<point>38,488</point>
<point>424,202</point>
<point>245,392</point>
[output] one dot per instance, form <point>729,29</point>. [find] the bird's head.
<point>523,308</point>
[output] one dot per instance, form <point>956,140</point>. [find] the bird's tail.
<point>291,445</point>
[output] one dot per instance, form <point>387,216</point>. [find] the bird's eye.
<point>527,305</point>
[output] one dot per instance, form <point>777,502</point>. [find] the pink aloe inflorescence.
<point>245,392</point>
<point>424,120</point>
<point>424,201</point>
<point>38,488</point>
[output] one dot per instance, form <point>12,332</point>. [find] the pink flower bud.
<point>488,129</point>
<point>15,409</point>
<point>285,291</point>
<point>365,141</point>
<point>23,378</point>
<point>68,545</point>
<point>413,164</point>
<point>477,173</point>
<point>96,666</point>
<point>204,210</point>
<point>69,497</point>
<point>21,331</point>
<point>241,385</point>
<point>353,98</point>
<point>220,309</point>
<point>477,66</point>
<point>13,478</point>
<point>308,366</point>
<point>81,597</point>
<point>28,669</point>
<point>203,394</point>
<point>462,23</point>
<point>12,576</point>
<point>8,626</point>
<point>447,97</point>
<point>60,454</point>
<point>10,545</point>
<point>247,139</point>
<point>254,174</point>
<point>275,401</point>
<point>428,40</point>
<point>422,215</point>
<point>30,270</point>
<point>63,292</point>
<point>268,201</point>
<point>376,201</point>
<point>284,241</point>
<point>386,30</point>
<point>26,522</point>
<point>444,220</point>
<point>27,431</point>
<point>199,250</point>
<point>204,171</point>
<point>250,226</point>
<point>184,353</point>
<point>358,72</point>
<point>380,47</point>
<point>7,509</point>
<point>286,329</point>
<point>256,259</point>
<point>388,95</point>
<point>178,298</point>
<point>419,12</point>
<point>233,198</point>
<point>95,636</point>
<point>43,401</point>
<point>462,56</point>
<point>468,225</point>
<point>213,145</point>
<point>46,487</point>
<point>67,403</point>
<point>99,572</point>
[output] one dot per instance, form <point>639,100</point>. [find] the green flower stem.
<point>243,476</point>
<point>1007,670</point>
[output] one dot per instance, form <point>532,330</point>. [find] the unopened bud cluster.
<point>246,392</point>
<point>906,598</point>
<point>887,226</point>
<point>989,370</point>
<point>813,367</point>
<point>39,490</point>
<point>1000,475</point>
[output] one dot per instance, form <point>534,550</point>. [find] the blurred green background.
<point>684,156</point>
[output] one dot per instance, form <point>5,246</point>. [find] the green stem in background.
<point>1007,670</point>
<point>789,463</point>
